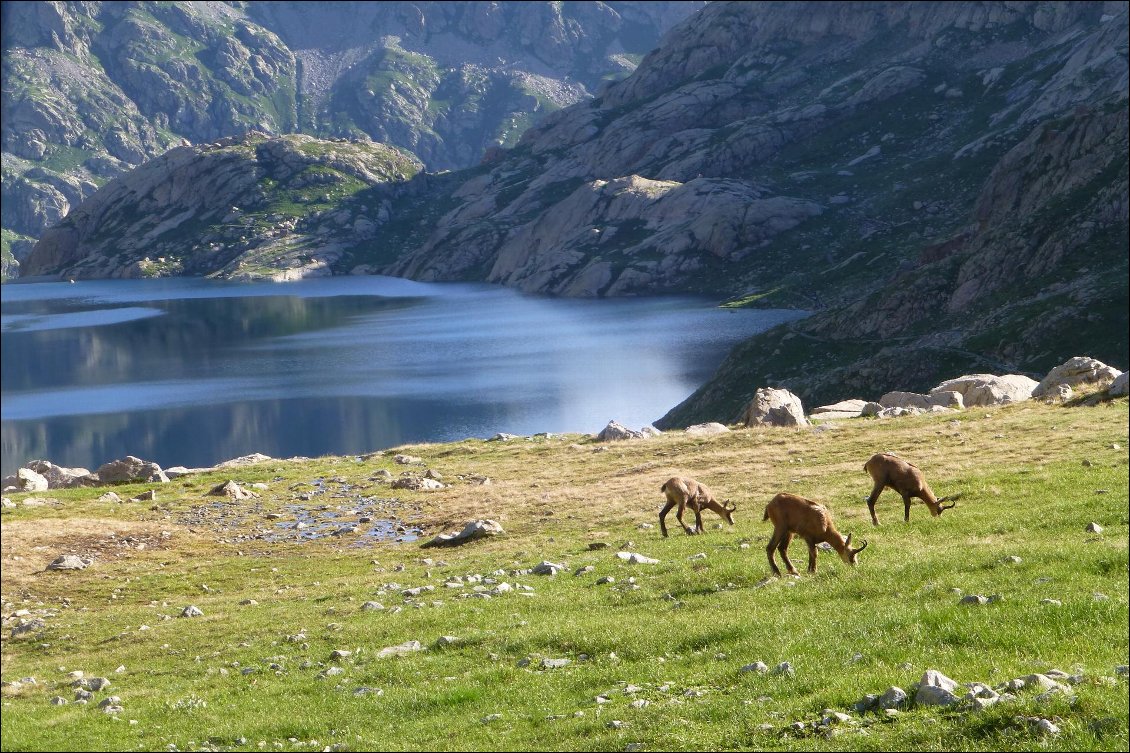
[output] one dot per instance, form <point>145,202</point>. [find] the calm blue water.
<point>192,372</point>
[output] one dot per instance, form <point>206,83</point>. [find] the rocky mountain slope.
<point>94,89</point>
<point>248,207</point>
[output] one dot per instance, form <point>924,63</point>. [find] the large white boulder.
<point>988,389</point>
<point>1076,371</point>
<point>774,407</point>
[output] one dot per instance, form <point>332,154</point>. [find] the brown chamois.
<point>793,515</point>
<point>906,479</point>
<point>684,491</point>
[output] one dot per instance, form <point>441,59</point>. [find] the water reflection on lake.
<point>192,372</point>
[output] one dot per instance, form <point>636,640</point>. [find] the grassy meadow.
<point>1032,476</point>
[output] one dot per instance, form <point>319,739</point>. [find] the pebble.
<point>191,611</point>
<point>974,599</point>
<point>1094,528</point>
<point>784,668</point>
<point>584,570</point>
<point>554,663</point>
<point>756,666</point>
<point>1052,602</point>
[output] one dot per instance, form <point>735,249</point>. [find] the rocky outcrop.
<point>773,407</point>
<point>253,206</point>
<point>1074,372</point>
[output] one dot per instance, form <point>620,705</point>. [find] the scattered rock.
<point>892,698</point>
<point>69,562</point>
<point>231,490</point>
<point>784,668</point>
<point>974,599</point>
<point>554,663</point>
<point>476,529</point>
<point>401,650</point>
<point>191,611</point>
<point>1094,528</point>
<point>634,558</point>
<point>706,430</point>
<point>407,460</point>
<point>757,666</point>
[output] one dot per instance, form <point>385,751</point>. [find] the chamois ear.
<point>847,541</point>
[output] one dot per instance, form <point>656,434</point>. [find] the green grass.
<point>690,624</point>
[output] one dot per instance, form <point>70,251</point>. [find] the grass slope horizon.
<point>674,634</point>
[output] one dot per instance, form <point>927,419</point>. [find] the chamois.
<point>793,515</point>
<point>683,491</point>
<point>906,479</point>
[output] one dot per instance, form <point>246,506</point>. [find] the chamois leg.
<point>698,520</point>
<point>783,548</point>
<point>812,557</point>
<point>875,492</point>
<point>906,509</point>
<point>679,515</point>
<point>663,515</point>
<point>774,540</point>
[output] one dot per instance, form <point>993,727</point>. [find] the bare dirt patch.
<point>28,546</point>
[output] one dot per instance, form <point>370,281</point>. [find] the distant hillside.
<point>91,90</point>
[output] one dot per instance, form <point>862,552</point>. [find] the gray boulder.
<point>476,529</point>
<point>706,430</point>
<point>1076,371</point>
<point>987,389</point>
<point>905,400</point>
<point>893,698</point>
<point>842,409</point>
<point>231,490</point>
<point>69,562</point>
<point>130,468</point>
<point>774,407</point>
<point>615,431</point>
<point>1120,387</point>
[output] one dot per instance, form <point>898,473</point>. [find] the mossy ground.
<point>1032,476</point>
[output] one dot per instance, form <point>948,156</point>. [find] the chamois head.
<point>849,555</point>
<point>937,508</point>
<point>725,509</point>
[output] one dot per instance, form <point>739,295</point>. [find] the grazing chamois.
<point>685,492</point>
<point>793,515</point>
<point>906,479</point>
